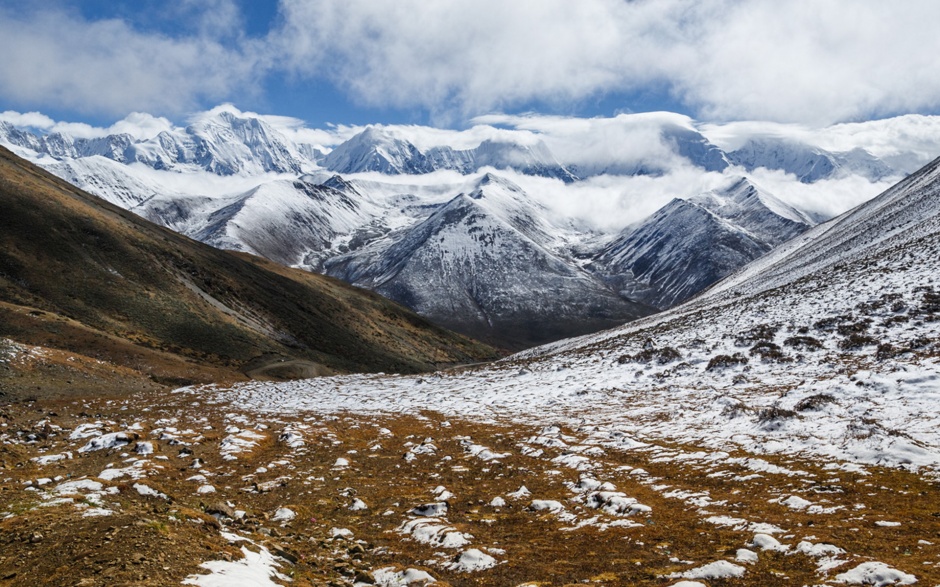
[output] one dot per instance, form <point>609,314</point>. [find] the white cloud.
<point>139,125</point>
<point>810,61</point>
<point>35,120</point>
<point>59,59</point>
<point>828,197</point>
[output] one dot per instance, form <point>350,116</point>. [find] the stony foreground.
<point>188,488</point>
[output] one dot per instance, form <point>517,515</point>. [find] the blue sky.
<point>445,62</point>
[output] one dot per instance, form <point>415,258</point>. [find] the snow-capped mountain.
<point>485,263</point>
<point>287,221</point>
<point>462,250</point>
<point>222,141</point>
<point>376,149</point>
<point>809,164</point>
<point>689,244</point>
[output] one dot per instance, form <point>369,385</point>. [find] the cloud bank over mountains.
<point>808,62</point>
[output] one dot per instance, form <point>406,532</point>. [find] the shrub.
<point>649,355</point>
<point>803,343</point>
<point>832,322</point>
<point>814,402</point>
<point>854,327</point>
<point>724,361</point>
<point>854,342</point>
<point>774,413</point>
<point>755,334</point>
<point>769,351</point>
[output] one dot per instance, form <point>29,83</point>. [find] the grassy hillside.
<point>80,275</point>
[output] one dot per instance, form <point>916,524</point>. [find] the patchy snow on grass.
<point>148,491</point>
<point>47,459</point>
<point>472,560</point>
<point>110,440</point>
<point>435,532</point>
<point>715,570</point>
<point>877,574</point>
<point>256,569</point>
<point>389,577</point>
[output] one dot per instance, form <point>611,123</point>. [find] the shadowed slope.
<point>79,274</point>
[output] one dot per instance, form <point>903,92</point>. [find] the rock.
<point>36,538</point>
<point>220,508</point>
<point>285,554</point>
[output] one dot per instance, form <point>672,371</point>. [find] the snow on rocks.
<point>716,570</point>
<point>47,459</point>
<point>78,486</point>
<point>437,509</point>
<point>472,560</point>
<point>86,430</point>
<point>481,452</point>
<point>110,440</point>
<point>768,542</point>
<point>875,573</point>
<point>521,493</point>
<point>389,577</point>
<point>358,505</point>
<point>148,491</point>
<point>546,505</point>
<point>257,569</point>
<point>283,515</point>
<point>238,441</point>
<point>744,555</point>
<point>435,532</point>
<point>441,493</point>
<point>616,503</point>
<point>498,502</point>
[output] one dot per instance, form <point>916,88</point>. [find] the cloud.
<point>807,61</point>
<point>35,120</point>
<point>139,125</point>
<point>58,59</point>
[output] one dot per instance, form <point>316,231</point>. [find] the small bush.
<point>774,413</point>
<point>661,356</point>
<point>814,402</point>
<point>769,351</point>
<point>832,322</point>
<point>930,303</point>
<point>853,342</point>
<point>854,327</point>
<point>887,351</point>
<point>803,343</point>
<point>724,361</point>
<point>755,334</point>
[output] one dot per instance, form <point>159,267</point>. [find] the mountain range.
<point>475,252</point>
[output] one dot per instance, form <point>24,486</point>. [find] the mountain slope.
<point>379,150</point>
<point>786,420</point>
<point>809,164</point>
<point>155,301</point>
<point>690,244</point>
<point>483,265</point>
